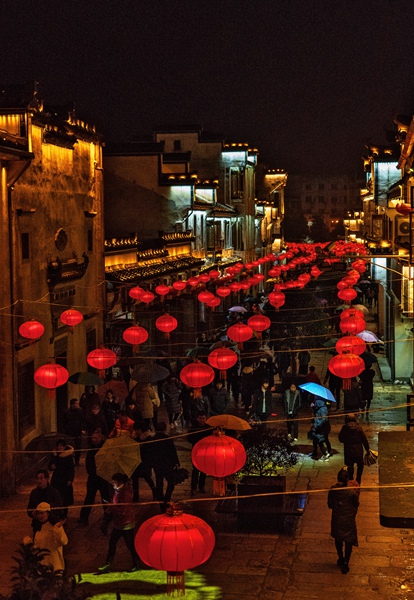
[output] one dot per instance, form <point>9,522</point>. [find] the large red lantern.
<point>204,278</point>
<point>51,376</point>
<point>162,290</point>
<point>223,291</point>
<point>346,366</point>
<point>277,299</point>
<point>213,302</point>
<point>135,335</point>
<point>136,292</point>
<point>351,344</point>
<point>101,359</point>
<point>214,274</point>
<point>205,297</point>
<point>71,318</point>
<point>352,312</point>
<point>166,323</point>
<point>275,272</point>
<point>32,330</point>
<point>193,281</point>
<point>197,375</point>
<point>220,456</point>
<point>222,359</point>
<point>259,323</point>
<point>352,325</point>
<point>179,286</point>
<point>234,287</point>
<point>239,333</point>
<point>147,297</point>
<point>315,271</point>
<point>174,542</point>
<point>341,285</point>
<point>347,295</point>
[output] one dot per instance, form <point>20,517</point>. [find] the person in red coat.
<point>122,514</point>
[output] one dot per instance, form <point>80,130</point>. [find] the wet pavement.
<point>297,563</point>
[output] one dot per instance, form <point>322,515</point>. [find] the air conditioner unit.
<point>402,227</point>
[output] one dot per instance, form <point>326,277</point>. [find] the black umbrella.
<point>85,378</point>
<point>149,373</point>
<point>369,359</point>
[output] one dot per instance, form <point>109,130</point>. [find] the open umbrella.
<point>330,343</point>
<point>149,372</point>
<point>341,307</point>
<point>240,309</point>
<point>368,336</point>
<point>197,352</point>
<point>318,390</point>
<point>85,378</point>
<point>364,282</point>
<point>361,307</point>
<point>228,422</point>
<point>224,344</point>
<point>118,388</point>
<point>369,359</point>
<point>118,455</point>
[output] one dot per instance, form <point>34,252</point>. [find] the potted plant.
<point>270,455</point>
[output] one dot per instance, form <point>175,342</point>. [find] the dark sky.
<point>308,82</point>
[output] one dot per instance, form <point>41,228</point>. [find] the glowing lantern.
<point>223,291</point>
<point>162,290</point>
<point>166,323</point>
<point>359,265</point>
<point>136,292</point>
<point>147,297</point>
<point>347,295</point>
<point>352,325</point>
<point>135,335</point>
<point>197,375</point>
<point>204,278</point>
<point>275,272</point>
<point>222,359</point>
<point>32,330</point>
<point>193,281</point>
<point>213,303</point>
<point>346,366</point>
<point>240,333</point>
<point>259,323</point>
<point>174,542</point>
<point>351,344</point>
<point>277,299</point>
<point>234,287</point>
<point>101,359</point>
<point>179,286</point>
<point>258,277</point>
<point>315,271</point>
<point>220,456</point>
<point>341,285</point>
<point>51,376</point>
<point>244,285</point>
<point>214,274</point>
<point>352,312</point>
<point>205,297</point>
<point>71,318</point>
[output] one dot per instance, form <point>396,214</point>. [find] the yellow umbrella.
<point>228,422</point>
<point>118,455</point>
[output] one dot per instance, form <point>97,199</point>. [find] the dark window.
<point>90,340</point>
<point>321,186</point>
<point>308,186</point>
<point>308,198</point>
<point>334,199</point>
<point>321,198</point>
<point>177,144</point>
<point>90,240</point>
<point>26,397</point>
<point>25,240</point>
<point>334,186</point>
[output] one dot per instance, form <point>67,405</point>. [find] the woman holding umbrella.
<point>320,430</point>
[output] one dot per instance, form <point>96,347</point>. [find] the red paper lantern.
<point>32,330</point>
<point>346,366</point>
<point>244,285</point>
<point>71,318</point>
<point>352,325</point>
<point>166,323</point>
<point>204,278</point>
<point>179,286</point>
<point>239,333</point>
<point>214,274</point>
<point>275,272</point>
<point>213,303</point>
<point>205,297</point>
<point>350,344</point>
<point>135,335</point>
<point>174,542</point>
<point>277,299</point>
<point>193,281</point>
<point>315,271</point>
<point>222,359</point>
<point>197,375</point>
<point>352,312</point>
<point>147,297</point>
<point>234,287</point>
<point>223,291</point>
<point>347,295</point>
<point>136,292</point>
<point>258,277</point>
<point>51,376</point>
<point>341,285</point>
<point>259,323</point>
<point>220,456</point>
<point>162,290</point>
<point>101,359</point>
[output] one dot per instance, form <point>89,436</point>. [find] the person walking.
<point>303,359</point>
<point>163,459</point>
<point>88,399</point>
<point>320,430</point>
<point>343,500</point>
<point>171,390</point>
<point>247,386</point>
<point>146,401</point>
<point>353,397</point>
<point>94,483</point>
<point>334,384</point>
<point>72,423</point>
<point>110,408</point>
<point>143,435</point>
<point>95,420</point>
<point>197,433</point>
<point>51,537</point>
<point>218,397</point>
<point>122,514</point>
<point>366,379</point>
<point>354,440</point>
<point>44,492</point>
<point>63,473</point>
<point>198,402</point>
<point>262,401</point>
<point>123,425</point>
<point>291,406</point>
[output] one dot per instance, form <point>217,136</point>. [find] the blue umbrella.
<point>318,390</point>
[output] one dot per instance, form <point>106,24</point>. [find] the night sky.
<point>308,82</point>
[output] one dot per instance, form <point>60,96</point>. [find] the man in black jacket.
<point>354,440</point>
<point>197,433</point>
<point>44,492</point>
<point>262,401</point>
<point>95,483</point>
<point>163,458</point>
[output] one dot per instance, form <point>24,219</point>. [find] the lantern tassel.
<point>51,393</point>
<point>101,373</point>
<point>346,384</point>
<point>223,375</point>
<point>219,486</point>
<point>175,583</point>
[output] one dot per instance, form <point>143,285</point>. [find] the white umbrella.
<point>368,336</point>
<point>361,307</point>
<point>237,309</point>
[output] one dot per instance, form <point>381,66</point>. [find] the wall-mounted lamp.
<point>25,212</point>
<point>90,213</point>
